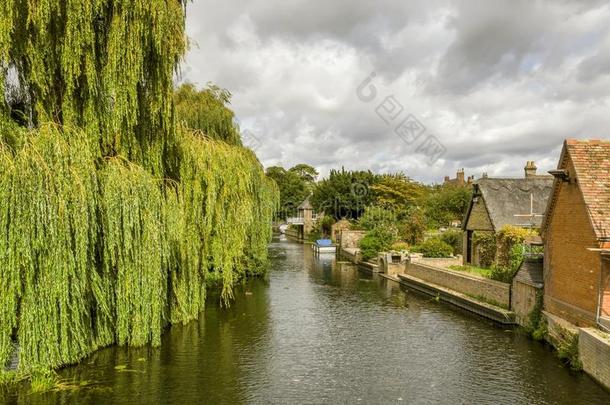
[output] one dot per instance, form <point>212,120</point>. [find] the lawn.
<point>473,270</point>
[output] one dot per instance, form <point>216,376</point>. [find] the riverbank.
<point>321,331</point>
<point>579,348</point>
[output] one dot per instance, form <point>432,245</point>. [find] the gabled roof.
<point>506,198</point>
<point>305,205</point>
<point>591,160</point>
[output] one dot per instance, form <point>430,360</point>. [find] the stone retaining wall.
<point>439,262</point>
<point>594,352</point>
<point>491,291</point>
<point>350,238</point>
<point>523,301</point>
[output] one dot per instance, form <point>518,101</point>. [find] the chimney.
<point>530,169</point>
<point>460,177</point>
<point>446,179</point>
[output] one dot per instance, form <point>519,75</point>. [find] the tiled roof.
<point>591,161</point>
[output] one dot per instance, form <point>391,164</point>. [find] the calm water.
<point>318,331</point>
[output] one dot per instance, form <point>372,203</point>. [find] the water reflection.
<point>320,331</point>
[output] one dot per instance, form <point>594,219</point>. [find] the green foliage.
<point>400,247</point>
<point>541,331</point>
<point>344,194</point>
<point>375,241</point>
<point>104,65</point>
<point>567,349</point>
<point>114,219</point>
<point>413,227</point>
<point>472,269</point>
<point>322,228</point>
<point>508,239</point>
<point>207,111</point>
<point>395,191</point>
<point>453,238</point>
<point>505,273</point>
<point>98,252</point>
<point>293,187</point>
<point>43,381</point>
<point>374,217</point>
<point>485,243</point>
<point>446,203</point>
<point>535,325</point>
<point>307,173</point>
<point>434,247</point>
<point>509,252</point>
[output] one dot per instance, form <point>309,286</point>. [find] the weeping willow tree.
<point>115,220</point>
<point>206,110</point>
<point>103,65</point>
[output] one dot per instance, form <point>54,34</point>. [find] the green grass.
<point>486,273</point>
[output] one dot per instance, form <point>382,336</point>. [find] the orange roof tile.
<point>591,161</point>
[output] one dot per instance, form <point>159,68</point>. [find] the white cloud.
<point>498,82</point>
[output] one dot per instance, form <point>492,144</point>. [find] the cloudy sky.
<point>483,85</point>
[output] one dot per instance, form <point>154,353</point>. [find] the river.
<point>320,331</point>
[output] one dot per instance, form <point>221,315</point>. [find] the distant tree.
<point>446,203</point>
<point>413,227</point>
<point>306,172</point>
<point>344,194</point>
<point>293,190</point>
<point>207,110</point>
<point>396,191</point>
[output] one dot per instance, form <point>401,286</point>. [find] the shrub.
<point>399,246</point>
<point>325,224</point>
<point>454,239</point>
<point>375,241</point>
<point>322,228</point>
<point>375,217</point>
<point>434,247</point>
<point>509,252</point>
<point>412,229</point>
<point>485,243</point>
<point>507,240</point>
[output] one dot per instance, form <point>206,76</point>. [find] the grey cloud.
<point>498,82</point>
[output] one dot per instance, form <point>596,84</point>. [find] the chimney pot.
<point>530,169</point>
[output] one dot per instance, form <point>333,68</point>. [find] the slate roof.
<point>505,198</point>
<point>531,272</point>
<point>591,159</point>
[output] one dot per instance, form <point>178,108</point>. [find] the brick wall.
<point>571,271</point>
<point>594,352</point>
<point>490,290</point>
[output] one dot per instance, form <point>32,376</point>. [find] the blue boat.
<point>324,246</point>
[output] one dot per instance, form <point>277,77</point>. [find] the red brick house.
<point>576,233</point>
